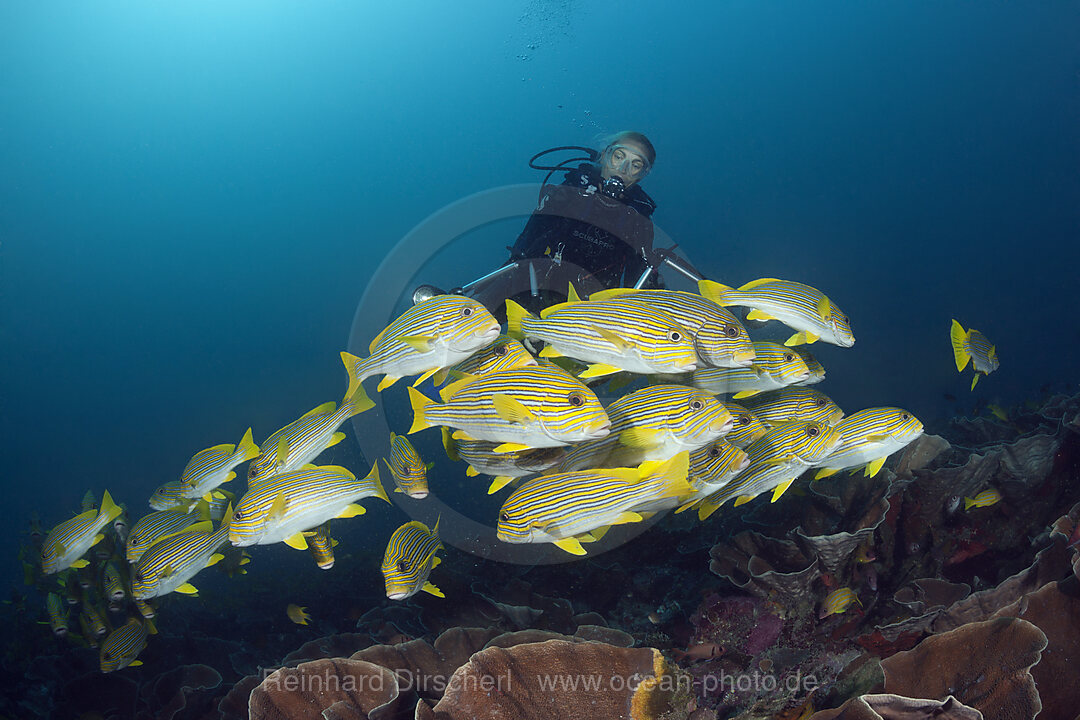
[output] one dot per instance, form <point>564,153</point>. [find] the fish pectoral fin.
<point>744,394</point>
<point>297,541</point>
<point>335,439</point>
<point>135,663</point>
<point>419,343</point>
<point>461,435</point>
<point>351,510</point>
<point>621,344</point>
<point>781,489</point>
<point>511,409</point>
<point>509,447</point>
<point>187,589</point>
<point>759,315</point>
<point>570,545</point>
<point>599,370</point>
<point>435,562</point>
<point>627,517</point>
<point>974,379</point>
<point>549,351</point>
<point>874,466</point>
<point>80,563</point>
<point>430,588</point>
<point>215,559</point>
<point>208,497</point>
<point>640,437</point>
<point>97,538</point>
<point>498,484</point>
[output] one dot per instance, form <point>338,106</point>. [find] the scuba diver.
<point>593,230</point>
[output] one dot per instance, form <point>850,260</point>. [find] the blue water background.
<point>193,195</point>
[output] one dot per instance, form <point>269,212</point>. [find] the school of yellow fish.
<point>678,441</point>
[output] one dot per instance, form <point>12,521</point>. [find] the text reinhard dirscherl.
<point>723,682</point>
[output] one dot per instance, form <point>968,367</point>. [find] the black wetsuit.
<point>578,235</point>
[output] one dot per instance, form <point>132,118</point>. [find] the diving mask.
<point>626,162</point>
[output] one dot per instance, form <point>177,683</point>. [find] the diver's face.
<point>625,160</point>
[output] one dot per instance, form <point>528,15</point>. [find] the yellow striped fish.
<point>168,565</point>
<point>972,346</point>
<point>505,354</point>
<point>565,508</point>
<point>409,560</point>
<point>611,336</point>
<point>66,543</point>
<point>321,546</point>
<point>213,466</point>
<point>281,507</point>
<point>817,370</point>
<point>113,583</point>
<point>868,437</point>
<point>91,620</point>
<point>653,423</point>
<point>746,427</point>
<point>434,334</point>
<point>58,617</point>
<point>166,523</point>
<point>504,466</point>
<point>298,443</point>
<point>712,466</point>
<point>409,471</point>
<point>124,644</point>
<point>775,366</point>
<point>168,497</point>
<point>986,498</point>
<point>802,308</point>
<point>719,338</point>
<point>837,602</point>
<point>777,459</point>
<point>794,402</point>
<point>147,610</point>
<point>523,408</point>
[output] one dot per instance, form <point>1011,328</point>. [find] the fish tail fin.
<point>357,400</point>
<point>959,339</point>
<point>672,474</point>
<point>373,478</point>
<point>420,404</point>
<point>514,316</point>
<point>356,369</point>
<point>714,291</point>
<point>247,447</point>
<point>968,502</point>
<point>108,508</point>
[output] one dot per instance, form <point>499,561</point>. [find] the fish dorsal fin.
<point>511,409</point>
<point>570,545</point>
<point>378,338</point>
<point>610,293</point>
<point>324,409</point>
<point>757,283</point>
<point>548,311</point>
<point>571,294</point>
<point>419,343</point>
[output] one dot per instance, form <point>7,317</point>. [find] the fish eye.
<point>730,330</point>
<point>812,431</point>
<point>696,404</point>
<point>505,517</point>
<point>675,336</point>
<point>576,399</point>
<point>820,402</point>
<point>788,357</point>
<point>501,350</point>
<point>714,451</point>
<point>905,416</point>
<point>403,566</point>
<point>466,312</point>
<point>744,420</point>
<point>238,515</point>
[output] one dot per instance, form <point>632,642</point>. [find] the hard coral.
<point>347,688</point>
<point>897,707</point>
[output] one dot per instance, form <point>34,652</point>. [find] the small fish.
<point>817,370</point>
<point>607,335</point>
<point>775,366</point>
<point>802,308</point>
<point>113,583</point>
<point>504,466</point>
<point>123,645</point>
<point>868,437</point>
<point>68,542</point>
<point>409,471</point>
<point>719,338</point>
<point>838,601</point>
<point>794,403</point>
<point>524,408</point>
<point>58,618</point>
<point>568,508</point>
<point>298,443</point>
<point>321,546</point>
<point>165,523</point>
<point>504,354</point>
<point>431,335</point>
<point>167,496</point>
<point>409,559</point>
<point>146,609</point>
<point>986,498</point>
<point>972,346</point>
<point>168,565</point>
<point>213,466</point>
<point>746,427</point>
<point>89,634</point>
<point>712,467</point>
<point>998,412</point>
<point>92,619</point>
<point>297,614</point>
<point>281,507</point>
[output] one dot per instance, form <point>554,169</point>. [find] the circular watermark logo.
<point>392,284</point>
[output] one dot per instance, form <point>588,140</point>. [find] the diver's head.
<point>629,156</point>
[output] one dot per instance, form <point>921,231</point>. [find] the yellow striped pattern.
<point>871,435</point>
<point>746,427</point>
<point>795,402</point>
<point>174,560</point>
<point>775,366</point>
<point>407,467</point>
<point>68,542</point>
<point>123,646</point>
<point>407,561</point>
<point>159,525</point>
<point>504,354</point>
